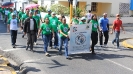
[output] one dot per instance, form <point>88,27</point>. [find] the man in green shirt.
<point>75,20</point>
<point>24,16</point>
<point>0,13</point>
<point>48,15</point>
<point>37,18</point>
<point>20,13</point>
<point>54,22</point>
<point>9,14</point>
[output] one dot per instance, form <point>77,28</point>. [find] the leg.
<point>28,40</point>
<point>66,46</point>
<point>32,40</point>
<point>94,38</point>
<point>56,39</point>
<point>101,38</point>
<point>11,36</point>
<point>15,36</point>
<point>60,45</point>
<point>106,35</point>
<point>51,36</point>
<point>45,40</point>
<point>117,38</point>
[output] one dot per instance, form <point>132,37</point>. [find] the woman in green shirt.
<point>94,34</point>
<point>75,20</point>
<point>46,29</point>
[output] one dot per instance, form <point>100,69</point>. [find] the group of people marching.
<point>55,27</point>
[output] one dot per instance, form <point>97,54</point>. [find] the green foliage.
<point>77,12</point>
<point>60,9</point>
<point>43,9</point>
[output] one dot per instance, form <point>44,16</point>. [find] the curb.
<point>125,44</point>
<point>5,68</point>
<point>4,61</point>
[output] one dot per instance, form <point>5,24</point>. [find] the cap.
<point>83,18</point>
<point>49,10</point>
<point>104,13</point>
<point>30,12</point>
<point>53,13</point>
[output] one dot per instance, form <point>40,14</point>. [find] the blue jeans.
<point>117,34</point>
<point>65,40</point>
<point>13,36</point>
<point>46,39</point>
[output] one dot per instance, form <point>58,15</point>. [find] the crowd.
<point>31,24</point>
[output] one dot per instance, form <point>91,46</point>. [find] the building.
<point>97,6</point>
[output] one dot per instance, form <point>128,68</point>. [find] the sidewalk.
<point>4,68</point>
<point>128,43</point>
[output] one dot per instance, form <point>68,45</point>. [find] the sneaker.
<point>47,54</point>
<point>35,43</point>
<point>22,36</point>
<point>68,57</point>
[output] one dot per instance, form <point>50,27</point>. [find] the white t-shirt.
<point>13,24</point>
<point>89,15</point>
<point>31,24</point>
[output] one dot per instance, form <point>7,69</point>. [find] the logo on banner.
<point>80,39</point>
<point>74,29</point>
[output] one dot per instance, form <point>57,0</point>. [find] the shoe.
<point>13,46</point>
<point>22,36</point>
<point>27,47</point>
<point>68,57</point>
<point>35,43</point>
<point>31,50</point>
<point>105,45</point>
<point>47,54</point>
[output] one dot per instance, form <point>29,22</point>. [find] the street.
<point>106,61</point>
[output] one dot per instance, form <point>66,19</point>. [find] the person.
<point>116,29</point>
<point>37,18</point>
<point>24,16</point>
<point>54,22</point>
<point>20,13</point>
<point>83,20</point>
<point>15,11</point>
<point>48,15</point>
<point>75,20</point>
<point>89,15</point>
<point>104,24</point>
<point>46,29</point>
<point>94,33</point>
<point>12,28</point>
<point>6,15</point>
<point>0,13</point>
<point>9,14</point>
<point>30,28</point>
<point>64,28</point>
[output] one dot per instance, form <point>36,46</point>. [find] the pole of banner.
<point>71,9</point>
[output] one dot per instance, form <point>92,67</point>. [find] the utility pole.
<point>71,9</point>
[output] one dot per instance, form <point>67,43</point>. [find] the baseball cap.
<point>49,10</point>
<point>83,18</point>
<point>13,14</point>
<point>53,13</point>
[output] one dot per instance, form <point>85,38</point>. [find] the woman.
<point>46,29</point>
<point>94,34</point>
<point>64,28</point>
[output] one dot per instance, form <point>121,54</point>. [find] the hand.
<point>67,36</point>
<point>111,32</point>
<point>124,32</point>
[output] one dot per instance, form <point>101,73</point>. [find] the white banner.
<point>80,36</point>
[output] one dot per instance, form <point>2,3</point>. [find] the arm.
<point>8,26</point>
<point>40,30</point>
<point>25,26</point>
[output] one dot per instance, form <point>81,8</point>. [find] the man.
<point>104,24</point>
<point>13,27</point>
<point>24,16</point>
<point>0,13</point>
<point>9,14</point>
<point>37,18</point>
<point>48,15</point>
<point>6,15</point>
<point>54,22</point>
<point>116,28</point>
<point>89,15</point>
<point>30,28</point>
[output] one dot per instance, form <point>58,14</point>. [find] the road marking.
<point>7,50</point>
<point>115,63</point>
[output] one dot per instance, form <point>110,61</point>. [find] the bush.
<point>77,12</point>
<point>60,9</point>
<point>43,9</point>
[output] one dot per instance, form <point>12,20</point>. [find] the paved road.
<point>107,61</point>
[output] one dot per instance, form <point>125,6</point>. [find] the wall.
<point>65,3</point>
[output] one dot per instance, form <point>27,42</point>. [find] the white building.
<point>98,7</point>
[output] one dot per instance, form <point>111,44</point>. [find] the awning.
<point>131,4</point>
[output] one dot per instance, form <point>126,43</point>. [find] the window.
<point>94,6</point>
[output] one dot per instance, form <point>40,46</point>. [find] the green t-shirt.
<point>94,25</point>
<point>24,16</point>
<point>47,16</point>
<point>46,28</point>
<point>59,23</point>
<point>9,15</point>
<point>20,14</point>
<point>75,21</point>
<point>54,23</point>
<point>9,21</point>
<point>64,28</point>
<point>37,18</point>
<point>82,23</point>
